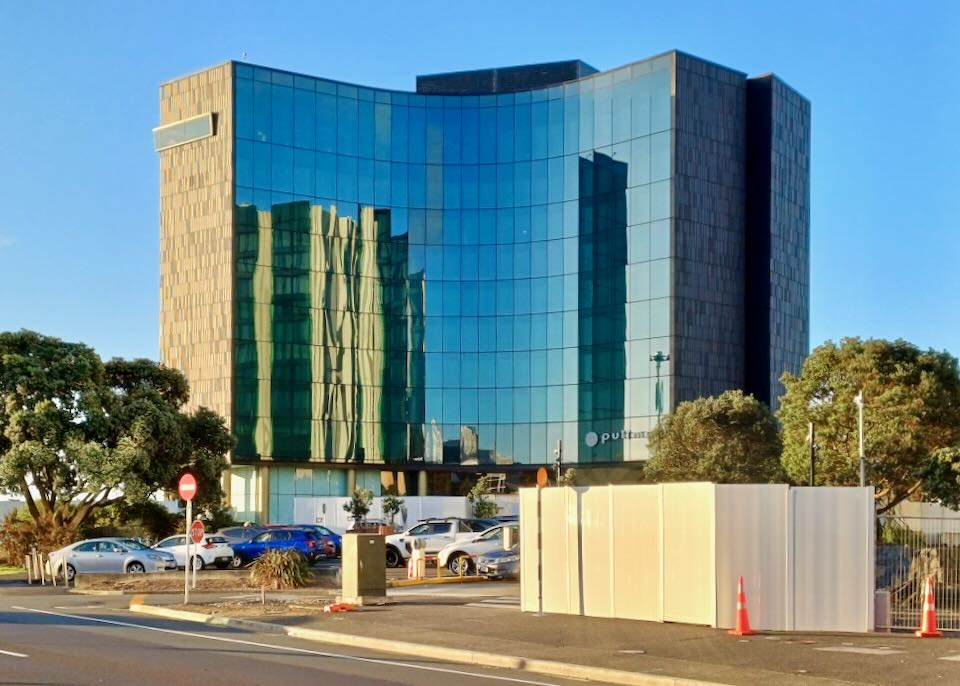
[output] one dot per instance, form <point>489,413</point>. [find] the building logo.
<point>592,438</point>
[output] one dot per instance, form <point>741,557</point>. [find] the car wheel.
<point>394,558</point>
<point>198,562</point>
<point>71,572</point>
<point>236,562</point>
<point>135,568</point>
<point>456,561</point>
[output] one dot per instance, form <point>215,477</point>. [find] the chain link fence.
<point>910,549</point>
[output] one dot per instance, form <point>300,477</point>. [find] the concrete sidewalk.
<point>496,627</point>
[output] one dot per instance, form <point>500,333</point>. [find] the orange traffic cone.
<point>928,619</point>
<point>743,621</point>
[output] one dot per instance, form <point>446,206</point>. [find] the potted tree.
<point>357,507</point>
<point>392,506</point>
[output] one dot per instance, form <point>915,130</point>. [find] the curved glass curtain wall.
<point>450,280</point>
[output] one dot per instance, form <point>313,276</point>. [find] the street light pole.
<point>858,399</point>
<point>813,455</point>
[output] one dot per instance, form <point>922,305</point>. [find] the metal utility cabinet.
<point>364,569</point>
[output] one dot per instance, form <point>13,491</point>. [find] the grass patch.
<point>7,569</point>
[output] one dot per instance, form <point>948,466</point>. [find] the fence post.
<point>28,567</point>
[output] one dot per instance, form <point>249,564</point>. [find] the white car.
<point>464,553</point>
<point>213,550</point>
<point>436,533</point>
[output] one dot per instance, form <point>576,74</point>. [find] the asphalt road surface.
<point>55,639</point>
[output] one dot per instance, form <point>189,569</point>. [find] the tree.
<point>392,506</point>
<point>479,497</point>
<point>912,410</point>
<point>359,505</point>
<point>77,435</point>
<point>730,438</point>
<point>569,477</point>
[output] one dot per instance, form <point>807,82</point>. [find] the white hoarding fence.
<point>673,552</point>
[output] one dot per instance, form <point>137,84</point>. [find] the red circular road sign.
<point>196,532</point>
<point>187,488</point>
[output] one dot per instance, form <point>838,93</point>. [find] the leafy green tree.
<point>359,505</point>
<point>911,411</point>
<point>77,435</point>
<point>392,506</point>
<point>731,438</point>
<point>479,498</point>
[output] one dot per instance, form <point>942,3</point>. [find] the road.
<point>57,639</point>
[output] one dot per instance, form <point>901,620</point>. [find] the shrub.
<point>19,536</point>
<point>479,497</point>
<point>280,569</point>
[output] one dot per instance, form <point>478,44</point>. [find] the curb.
<point>403,583</point>
<point>91,591</point>
<point>470,657</point>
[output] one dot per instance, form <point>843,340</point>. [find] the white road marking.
<point>954,658</point>
<point>12,654</point>
<point>860,651</point>
<point>291,649</point>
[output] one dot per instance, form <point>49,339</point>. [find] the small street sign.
<point>187,488</point>
<point>196,532</point>
<point>542,477</point>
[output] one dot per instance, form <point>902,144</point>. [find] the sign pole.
<point>186,566</point>
<point>192,563</point>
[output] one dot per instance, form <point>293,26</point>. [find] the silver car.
<point>109,556</point>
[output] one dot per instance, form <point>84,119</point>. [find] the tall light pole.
<point>858,400</point>
<point>659,358</point>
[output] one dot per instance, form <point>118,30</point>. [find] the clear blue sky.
<point>79,222</point>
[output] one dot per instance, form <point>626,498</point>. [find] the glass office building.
<point>388,288</point>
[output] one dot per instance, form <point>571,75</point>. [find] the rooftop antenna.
<point>243,55</point>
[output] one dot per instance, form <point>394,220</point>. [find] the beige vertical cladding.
<point>196,240</point>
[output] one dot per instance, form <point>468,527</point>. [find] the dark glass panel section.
<point>365,129</point>
<point>326,134</point>
<point>304,119</point>
<point>243,108</point>
<point>347,126</point>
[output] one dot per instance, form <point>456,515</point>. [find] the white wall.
<point>752,537</point>
<point>673,552</point>
<point>833,558</point>
<point>328,510</point>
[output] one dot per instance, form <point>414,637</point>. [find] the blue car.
<point>319,530</point>
<point>301,540</point>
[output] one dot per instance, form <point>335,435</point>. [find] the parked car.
<point>332,541</point>
<point>109,556</point>
<point>437,533</point>
<point>500,564</point>
<point>278,539</point>
<point>459,557</point>
<point>239,534</point>
<point>212,550</point>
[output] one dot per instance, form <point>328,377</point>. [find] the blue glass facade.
<point>459,280</point>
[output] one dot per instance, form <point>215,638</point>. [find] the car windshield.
<point>133,545</point>
<point>491,534</point>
